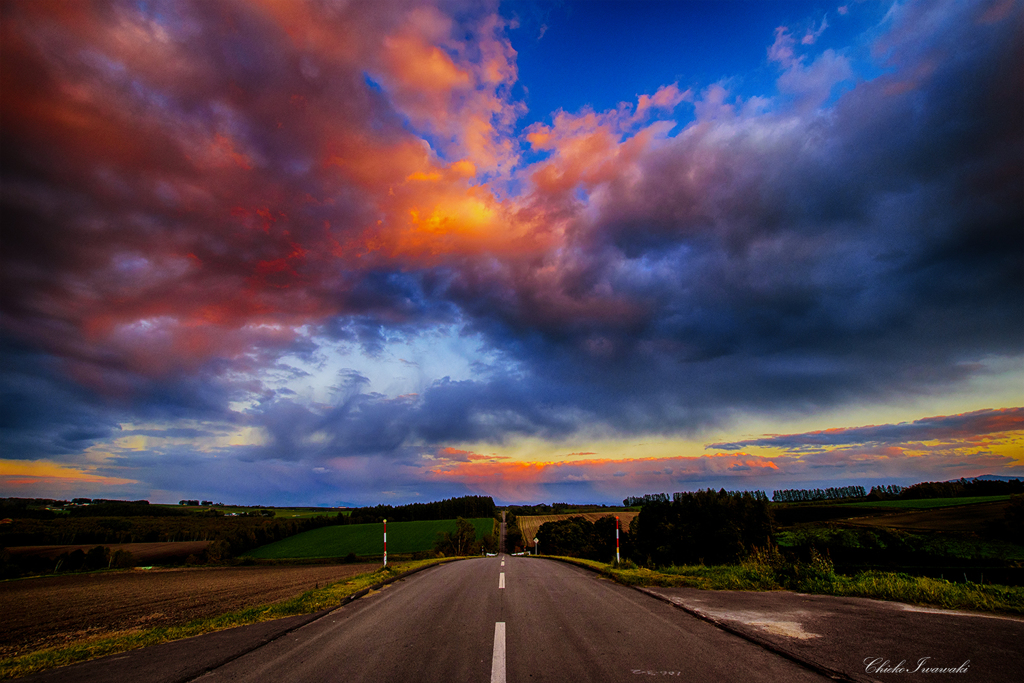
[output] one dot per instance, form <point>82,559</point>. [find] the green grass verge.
<point>309,602</point>
<point>765,574</point>
<point>927,503</point>
<point>363,539</point>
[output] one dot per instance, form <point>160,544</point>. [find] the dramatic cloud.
<point>976,426</point>
<point>274,238</point>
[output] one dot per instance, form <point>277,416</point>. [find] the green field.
<point>927,503</point>
<point>363,539</point>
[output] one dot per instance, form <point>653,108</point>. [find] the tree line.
<point>636,501</point>
<point>884,492</point>
<point>804,495</point>
<point>468,507</point>
<point>962,488</point>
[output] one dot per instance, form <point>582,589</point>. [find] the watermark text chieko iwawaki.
<point>880,665</point>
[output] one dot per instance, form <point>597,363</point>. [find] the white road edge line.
<point>498,659</point>
<point>501,580</point>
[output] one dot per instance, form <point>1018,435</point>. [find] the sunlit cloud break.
<point>280,252</point>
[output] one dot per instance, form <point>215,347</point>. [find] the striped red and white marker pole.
<point>385,542</point>
<point>617,539</point>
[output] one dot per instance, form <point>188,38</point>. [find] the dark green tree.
<point>460,542</point>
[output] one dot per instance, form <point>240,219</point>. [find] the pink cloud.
<point>781,50</point>
<point>666,98</point>
<point>813,34</point>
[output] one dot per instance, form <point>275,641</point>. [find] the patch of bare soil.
<point>54,610</point>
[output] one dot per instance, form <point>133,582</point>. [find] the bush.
<point>97,558</point>
<point>1014,518</point>
<point>122,559</point>
<point>218,551</point>
<point>767,568</point>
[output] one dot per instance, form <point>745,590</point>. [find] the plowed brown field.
<point>970,518</point>
<point>531,523</point>
<point>53,610</point>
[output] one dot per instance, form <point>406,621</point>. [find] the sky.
<point>349,253</point>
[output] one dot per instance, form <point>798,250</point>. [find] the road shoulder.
<point>862,639</point>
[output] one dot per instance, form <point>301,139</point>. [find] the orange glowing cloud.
<point>229,243</point>
<point>666,98</point>
<point>33,471</point>
<point>424,70</point>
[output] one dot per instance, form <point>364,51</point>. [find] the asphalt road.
<point>529,619</point>
<point>508,618</point>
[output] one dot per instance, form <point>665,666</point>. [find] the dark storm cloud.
<point>794,259</point>
<point>42,415</point>
<point>192,194</point>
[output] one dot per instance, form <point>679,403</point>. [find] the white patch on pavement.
<point>789,629</point>
<point>775,624</point>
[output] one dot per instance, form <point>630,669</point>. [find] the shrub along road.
<point>518,619</point>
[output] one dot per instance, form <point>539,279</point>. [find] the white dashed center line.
<point>498,659</point>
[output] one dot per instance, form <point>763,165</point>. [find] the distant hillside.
<point>993,477</point>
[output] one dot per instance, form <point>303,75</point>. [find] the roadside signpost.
<point>385,542</point>
<point>536,546</point>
